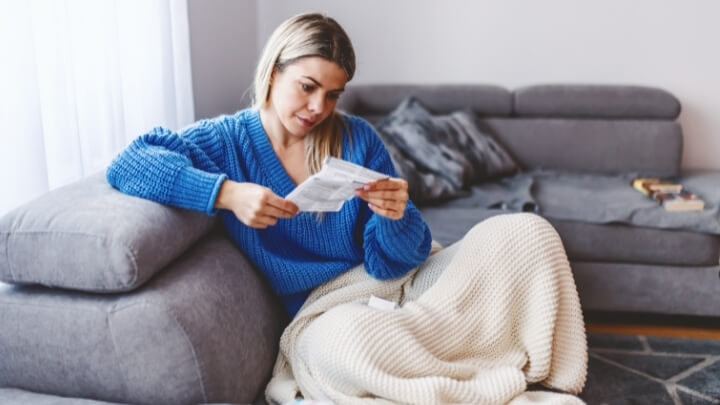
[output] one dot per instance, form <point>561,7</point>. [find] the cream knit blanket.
<point>476,323</point>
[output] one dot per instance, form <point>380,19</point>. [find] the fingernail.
<point>366,187</point>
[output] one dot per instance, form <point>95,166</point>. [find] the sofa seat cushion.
<point>641,288</point>
<point>630,244</point>
<point>205,329</point>
<point>594,242</point>
<point>88,236</point>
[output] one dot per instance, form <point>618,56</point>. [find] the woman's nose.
<point>317,104</point>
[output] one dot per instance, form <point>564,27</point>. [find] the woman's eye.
<point>306,87</point>
<point>334,96</point>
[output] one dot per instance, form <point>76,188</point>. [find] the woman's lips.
<point>306,123</point>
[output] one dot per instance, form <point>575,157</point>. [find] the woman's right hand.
<point>254,205</point>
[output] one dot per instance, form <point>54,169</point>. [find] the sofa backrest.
<point>598,128</point>
<point>375,101</point>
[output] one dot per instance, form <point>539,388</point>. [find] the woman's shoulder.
<point>232,125</point>
<point>360,129</point>
<point>365,144</point>
<point>355,121</point>
<point>239,119</point>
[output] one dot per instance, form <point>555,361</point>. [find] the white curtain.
<point>79,79</point>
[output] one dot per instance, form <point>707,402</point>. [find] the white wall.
<point>223,53</point>
<point>672,44</point>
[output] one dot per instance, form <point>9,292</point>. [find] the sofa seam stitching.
<point>185,335</point>
<point>115,349</point>
<point>7,254</point>
<point>192,351</point>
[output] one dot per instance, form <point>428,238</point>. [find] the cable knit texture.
<point>476,323</point>
<point>186,170</point>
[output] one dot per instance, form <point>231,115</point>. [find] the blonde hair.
<point>304,35</point>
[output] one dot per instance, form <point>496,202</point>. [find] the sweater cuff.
<point>409,231</point>
<point>197,190</point>
<point>392,227</point>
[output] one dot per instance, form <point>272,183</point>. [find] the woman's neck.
<point>278,135</point>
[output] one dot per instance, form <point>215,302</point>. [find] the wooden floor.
<point>638,324</point>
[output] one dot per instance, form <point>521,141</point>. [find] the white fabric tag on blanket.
<point>380,303</point>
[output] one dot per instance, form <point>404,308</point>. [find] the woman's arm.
<point>179,170</point>
<point>396,238</point>
<point>393,247</point>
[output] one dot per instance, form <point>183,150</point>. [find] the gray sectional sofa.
<point>117,299</point>
<point>640,259</point>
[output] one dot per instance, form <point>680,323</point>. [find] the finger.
<point>360,195</point>
<point>256,225</point>
<point>391,204</point>
<point>384,211</point>
<point>386,184</point>
<point>395,195</point>
<point>288,208</point>
<point>263,221</point>
<point>275,212</point>
<point>387,204</point>
<point>268,220</point>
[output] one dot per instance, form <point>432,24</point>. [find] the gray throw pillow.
<point>89,236</point>
<point>441,156</point>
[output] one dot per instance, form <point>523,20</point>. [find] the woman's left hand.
<point>387,197</point>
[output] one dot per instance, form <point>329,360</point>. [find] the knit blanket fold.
<point>475,324</point>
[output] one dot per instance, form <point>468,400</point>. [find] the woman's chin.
<point>301,130</point>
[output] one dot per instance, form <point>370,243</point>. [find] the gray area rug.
<point>625,369</point>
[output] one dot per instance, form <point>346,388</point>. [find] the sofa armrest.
<point>205,329</point>
<point>89,236</point>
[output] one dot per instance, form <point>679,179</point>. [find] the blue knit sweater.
<point>297,254</point>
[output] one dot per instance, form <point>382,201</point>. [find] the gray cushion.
<point>89,236</point>
<point>380,99</point>
<point>441,155</point>
<point>595,101</point>
<point>603,146</point>
<point>205,329</point>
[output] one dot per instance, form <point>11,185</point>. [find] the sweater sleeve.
<point>169,168</point>
<point>392,247</point>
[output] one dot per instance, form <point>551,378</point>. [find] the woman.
<point>242,165</point>
<point>478,320</point>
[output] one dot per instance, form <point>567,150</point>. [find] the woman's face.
<point>305,93</point>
